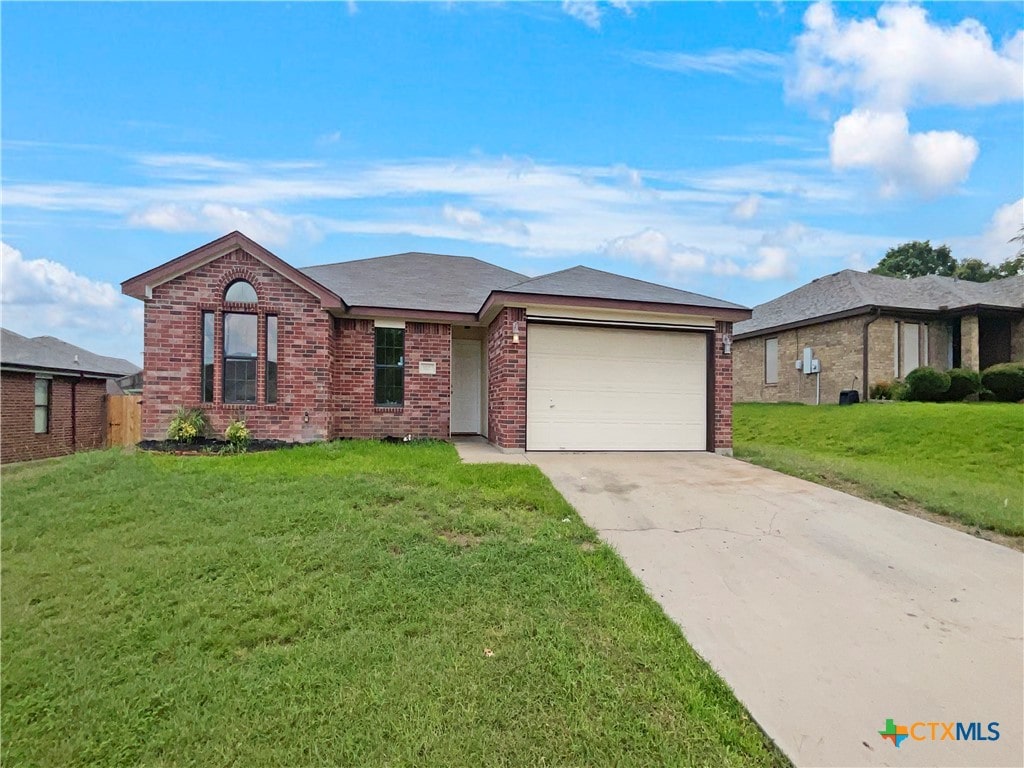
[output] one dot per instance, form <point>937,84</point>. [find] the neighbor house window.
<point>239,357</point>
<point>271,377</point>
<point>911,347</point>
<point>771,361</point>
<point>389,379</point>
<point>42,415</point>
<point>208,344</point>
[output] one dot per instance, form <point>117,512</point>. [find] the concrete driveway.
<point>826,614</point>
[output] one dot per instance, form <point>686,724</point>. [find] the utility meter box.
<point>808,359</point>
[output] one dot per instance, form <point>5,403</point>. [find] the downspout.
<point>867,323</point>
<point>74,414</point>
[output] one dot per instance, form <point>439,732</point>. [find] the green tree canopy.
<point>916,259</point>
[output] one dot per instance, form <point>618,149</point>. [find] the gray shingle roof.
<point>850,290</point>
<point>425,281</point>
<point>593,283</point>
<point>428,281</point>
<point>53,354</point>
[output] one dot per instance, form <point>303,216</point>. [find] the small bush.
<point>1005,381</point>
<point>187,424</point>
<point>238,437</point>
<point>926,384</point>
<point>881,390</point>
<point>962,382</point>
<point>900,391</point>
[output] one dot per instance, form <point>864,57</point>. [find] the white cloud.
<point>930,163</point>
<point>902,59</point>
<point>464,217</point>
<point>653,247</point>
<point>217,218</point>
<point>745,62</point>
<point>993,244</point>
<point>747,208</point>
<point>772,262</point>
<point>890,64</point>
<point>585,11</point>
<point>44,297</point>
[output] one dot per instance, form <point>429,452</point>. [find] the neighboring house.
<point>433,346</point>
<point>865,328</point>
<point>52,396</point>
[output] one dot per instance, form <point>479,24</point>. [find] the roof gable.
<point>418,281</point>
<point>141,286</point>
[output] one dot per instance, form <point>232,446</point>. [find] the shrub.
<point>186,425</point>
<point>1005,381</point>
<point>237,435</point>
<point>926,384</point>
<point>962,382</point>
<point>881,390</point>
<point>900,391</point>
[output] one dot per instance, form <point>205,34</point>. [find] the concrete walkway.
<point>476,450</point>
<point>826,614</point>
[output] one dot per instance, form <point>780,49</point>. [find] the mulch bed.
<point>208,446</point>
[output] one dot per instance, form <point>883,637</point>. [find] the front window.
<point>42,410</point>
<point>208,345</point>
<point>239,357</point>
<point>389,379</point>
<point>271,358</point>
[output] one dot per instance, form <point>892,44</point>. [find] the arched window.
<point>241,351</point>
<point>241,292</point>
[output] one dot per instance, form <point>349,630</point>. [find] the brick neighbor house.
<point>863,328</point>
<point>52,396</point>
<point>434,346</point>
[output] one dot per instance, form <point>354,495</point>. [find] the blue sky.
<point>733,149</point>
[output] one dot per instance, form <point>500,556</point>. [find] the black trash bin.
<point>849,397</point>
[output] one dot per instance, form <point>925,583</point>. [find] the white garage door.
<point>605,389</point>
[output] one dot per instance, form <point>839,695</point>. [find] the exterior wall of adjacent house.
<point>427,408</point>
<point>173,336</point>
<point>839,345</point>
<point>18,439</point>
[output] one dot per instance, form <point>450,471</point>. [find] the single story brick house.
<point>52,396</point>
<point>434,346</point>
<point>864,328</point>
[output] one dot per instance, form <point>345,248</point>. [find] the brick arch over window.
<point>240,273</point>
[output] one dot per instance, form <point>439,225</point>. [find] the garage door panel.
<point>612,389</point>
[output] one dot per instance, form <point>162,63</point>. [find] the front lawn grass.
<point>962,460</point>
<point>331,605</point>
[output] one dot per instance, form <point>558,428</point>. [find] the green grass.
<point>330,605</point>
<point>962,460</point>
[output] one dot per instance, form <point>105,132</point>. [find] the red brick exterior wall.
<point>722,390</point>
<point>173,352</point>
<point>506,380</point>
<point>18,440</point>
<point>427,409</point>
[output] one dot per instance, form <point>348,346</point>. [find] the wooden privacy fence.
<point>124,419</point>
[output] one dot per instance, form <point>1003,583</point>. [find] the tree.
<point>916,259</point>
<point>1012,266</point>
<point>976,270</point>
<point>1018,238</point>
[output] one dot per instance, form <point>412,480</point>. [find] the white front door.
<point>466,386</point>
